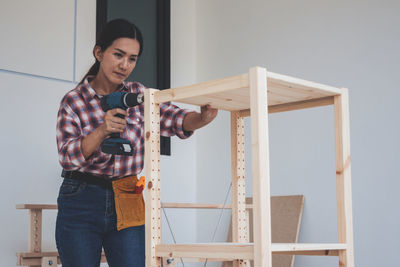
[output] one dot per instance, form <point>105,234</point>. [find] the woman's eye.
<point>119,55</point>
<point>133,59</point>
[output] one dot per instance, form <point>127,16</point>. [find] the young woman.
<point>91,216</point>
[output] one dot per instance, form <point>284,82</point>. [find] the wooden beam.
<point>312,103</point>
<point>172,205</point>
<point>35,230</point>
<point>239,220</point>
<point>232,251</point>
<point>204,88</point>
<point>36,258</point>
<point>152,165</point>
<point>36,206</point>
<point>291,82</point>
<point>343,178</point>
<point>215,250</point>
<point>260,167</point>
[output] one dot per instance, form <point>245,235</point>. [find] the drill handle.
<point>117,135</point>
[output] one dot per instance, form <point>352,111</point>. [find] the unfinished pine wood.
<point>153,194</point>
<point>37,206</point>
<point>49,261</point>
<point>286,212</point>
<point>231,251</point>
<point>232,93</point>
<point>168,262</point>
<point>343,178</point>
<point>35,230</point>
<point>252,94</point>
<point>35,258</point>
<point>239,220</point>
<point>294,106</point>
<point>174,205</point>
<point>260,167</point>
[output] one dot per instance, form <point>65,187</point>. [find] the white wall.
<point>45,48</point>
<point>353,44</point>
<point>42,60</point>
<point>178,171</point>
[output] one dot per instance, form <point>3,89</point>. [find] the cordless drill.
<point>115,144</point>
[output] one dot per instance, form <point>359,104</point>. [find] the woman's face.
<point>118,60</point>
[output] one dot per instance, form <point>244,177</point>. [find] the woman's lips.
<point>120,74</point>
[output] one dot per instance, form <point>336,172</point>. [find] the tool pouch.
<point>129,205</point>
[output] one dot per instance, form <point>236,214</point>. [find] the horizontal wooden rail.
<point>35,258</point>
<point>292,82</point>
<point>204,88</point>
<point>312,103</point>
<point>231,251</point>
<point>36,206</point>
<point>199,206</point>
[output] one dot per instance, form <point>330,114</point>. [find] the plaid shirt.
<point>80,113</point>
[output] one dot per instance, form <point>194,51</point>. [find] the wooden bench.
<point>35,257</point>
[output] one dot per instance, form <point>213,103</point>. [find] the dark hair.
<point>113,30</point>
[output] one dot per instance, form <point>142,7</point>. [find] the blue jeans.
<point>86,223</point>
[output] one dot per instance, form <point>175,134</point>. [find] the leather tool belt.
<point>129,202</point>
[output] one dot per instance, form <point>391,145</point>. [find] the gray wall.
<point>43,54</point>
<point>352,44</point>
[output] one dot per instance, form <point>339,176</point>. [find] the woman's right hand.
<point>112,123</point>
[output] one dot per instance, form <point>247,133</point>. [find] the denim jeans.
<point>86,223</point>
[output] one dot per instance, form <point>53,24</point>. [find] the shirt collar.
<point>89,93</point>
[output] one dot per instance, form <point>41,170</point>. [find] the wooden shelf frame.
<point>254,94</point>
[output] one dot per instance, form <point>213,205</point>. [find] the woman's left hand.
<point>208,114</point>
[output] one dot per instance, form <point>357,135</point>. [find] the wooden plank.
<point>239,220</point>
<point>152,165</point>
<point>260,167</point>
<point>35,259</point>
<point>296,83</point>
<point>232,93</point>
<point>209,251</point>
<point>36,206</point>
<point>204,88</point>
<point>343,178</point>
<point>231,251</point>
<point>174,205</point>
<point>295,106</point>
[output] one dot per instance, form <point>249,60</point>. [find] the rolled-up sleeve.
<point>69,140</point>
<point>172,121</point>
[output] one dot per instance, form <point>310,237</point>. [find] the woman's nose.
<point>124,64</point>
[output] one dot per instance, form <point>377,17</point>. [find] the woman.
<point>87,219</point>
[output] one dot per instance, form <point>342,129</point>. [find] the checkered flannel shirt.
<point>80,113</point>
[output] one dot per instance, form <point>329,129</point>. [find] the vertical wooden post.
<point>239,220</point>
<point>152,165</point>
<point>343,178</point>
<point>260,167</point>
<point>35,231</point>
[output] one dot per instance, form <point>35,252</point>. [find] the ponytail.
<point>94,69</point>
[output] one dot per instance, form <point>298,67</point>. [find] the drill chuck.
<point>121,100</point>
